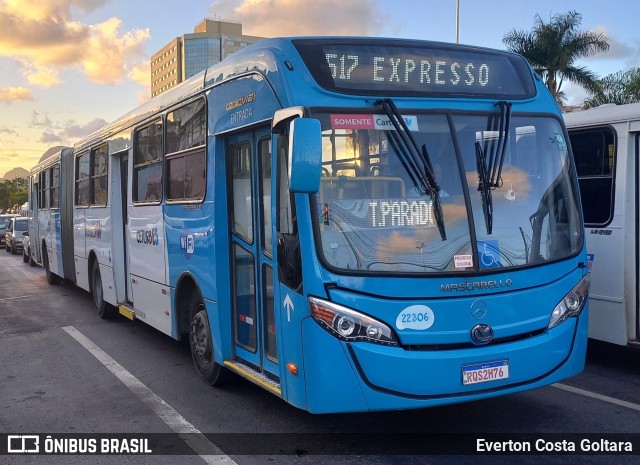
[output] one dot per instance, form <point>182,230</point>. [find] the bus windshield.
<point>374,215</point>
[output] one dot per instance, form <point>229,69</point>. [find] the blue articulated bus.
<point>354,224</point>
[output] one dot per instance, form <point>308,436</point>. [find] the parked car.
<point>26,250</point>
<point>4,222</point>
<point>16,231</point>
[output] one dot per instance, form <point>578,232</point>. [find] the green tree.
<point>4,196</point>
<point>553,49</point>
<point>619,88</point>
<point>14,192</point>
<point>19,196</point>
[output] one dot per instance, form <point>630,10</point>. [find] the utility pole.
<point>457,21</point>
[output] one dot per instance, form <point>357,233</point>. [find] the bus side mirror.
<point>305,155</point>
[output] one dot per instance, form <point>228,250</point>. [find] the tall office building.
<point>211,42</point>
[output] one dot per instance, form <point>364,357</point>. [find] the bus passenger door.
<point>119,219</point>
<point>251,254</point>
<point>34,226</point>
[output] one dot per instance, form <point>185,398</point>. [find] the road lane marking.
<point>19,297</point>
<point>207,450</point>
<point>593,395</point>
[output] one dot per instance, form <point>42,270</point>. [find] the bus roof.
<point>48,158</point>
<point>609,113</point>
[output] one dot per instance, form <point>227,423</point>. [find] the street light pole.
<point>457,21</point>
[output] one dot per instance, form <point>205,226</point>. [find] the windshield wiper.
<point>490,171</point>
<point>416,161</point>
<point>484,186</point>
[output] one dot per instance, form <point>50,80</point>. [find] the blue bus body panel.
<point>244,101</point>
<point>392,378</point>
<point>425,371</point>
<point>191,244</point>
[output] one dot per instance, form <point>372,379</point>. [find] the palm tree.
<point>553,48</point>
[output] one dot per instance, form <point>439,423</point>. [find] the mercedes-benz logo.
<point>481,334</point>
<point>479,309</point>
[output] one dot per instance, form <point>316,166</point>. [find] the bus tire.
<point>52,278</point>
<point>201,344</point>
<point>104,309</point>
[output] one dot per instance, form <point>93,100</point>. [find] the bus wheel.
<point>104,309</point>
<point>52,278</point>
<point>202,345</point>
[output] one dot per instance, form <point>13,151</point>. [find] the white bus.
<point>606,144</point>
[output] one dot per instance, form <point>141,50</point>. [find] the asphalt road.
<point>65,371</point>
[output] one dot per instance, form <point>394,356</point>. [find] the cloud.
<point>108,59</point>
<point>43,77</point>
<point>49,137</point>
<point>78,131</point>
<point>302,17</point>
<point>67,132</point>
<point>41,120</point>
<point>57,10</point>
<point>9,155</point>
<point>102,51</point>
<point>616,50</point>
<point>140,74</point>
<point>13,94</point>
<point>12,158</point>
<point>9,131</point>
<point>629,53</point>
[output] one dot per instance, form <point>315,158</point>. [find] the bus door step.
<point>254,376</point>
<point>127,311</point>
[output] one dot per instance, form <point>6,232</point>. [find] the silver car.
<point>4,222</point>
<point>15,233</point>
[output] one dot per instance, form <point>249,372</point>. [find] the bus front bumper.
<point>344,377</point>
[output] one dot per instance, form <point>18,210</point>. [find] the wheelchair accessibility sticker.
<point>489,254</point>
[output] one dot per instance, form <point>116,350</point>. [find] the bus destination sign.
<point>360,67</point>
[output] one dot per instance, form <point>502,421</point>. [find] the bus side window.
<point>594,154</point>
<point>147,164</point>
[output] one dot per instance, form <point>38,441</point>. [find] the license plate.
<point>485,372</point>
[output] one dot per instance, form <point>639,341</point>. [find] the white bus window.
<point>147,164</point>
<point>53,190</point>
<point>82,180</point>
<point>99,184</point>
<point>594,153</point>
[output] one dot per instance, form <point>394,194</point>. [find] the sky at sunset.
<point>69,66</point>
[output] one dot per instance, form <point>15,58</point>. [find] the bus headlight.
<point>572,304</point>
<point>349,325</point>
